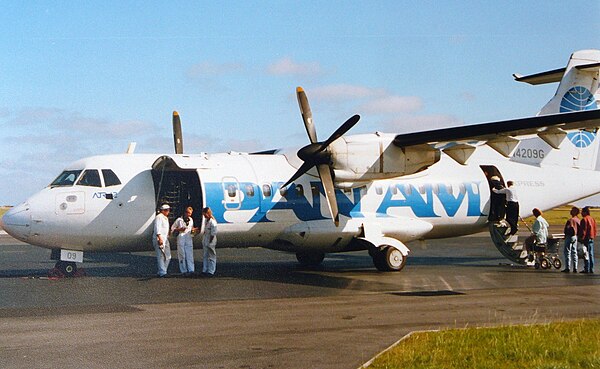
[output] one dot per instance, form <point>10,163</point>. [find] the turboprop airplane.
<point>373,192</point>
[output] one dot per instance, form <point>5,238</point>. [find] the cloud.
<point>415,123</point>
<point>287,66</point>
<point>392,104</point>
<point>71,124</point>
<point>468,96</point>
<point>345,92</point>
<point>34,116</point>
<point>68,135</point>
<point>367,100</point>
<point>209,69</point>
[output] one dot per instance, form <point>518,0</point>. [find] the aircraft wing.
<point>500,135</point>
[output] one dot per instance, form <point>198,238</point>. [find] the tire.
<point>310,259</point>
<point>389,259</point>
<point>68,268</point>
<point>557,263</point>
<point>545,263</point>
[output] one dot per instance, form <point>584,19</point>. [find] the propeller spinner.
<point>316,154</point>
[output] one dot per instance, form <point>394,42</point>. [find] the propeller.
<point>316,154</point>
<point>177,136</point>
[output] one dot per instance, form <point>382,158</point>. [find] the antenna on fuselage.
<point>177,135</point>
<point>131,148</point>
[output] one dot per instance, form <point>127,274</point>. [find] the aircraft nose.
<point>17,222</point>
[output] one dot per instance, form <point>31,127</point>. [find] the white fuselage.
<point>447,199</point>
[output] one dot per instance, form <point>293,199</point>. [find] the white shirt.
<point>180,223</point>
<point>210,229</point>
<point>161,226</point>
<point>511,194</point>
<point>540,229</point>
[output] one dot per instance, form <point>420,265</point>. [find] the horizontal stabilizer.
<point>541,78</point>
<point>552,76</point>
<point>589,67</point>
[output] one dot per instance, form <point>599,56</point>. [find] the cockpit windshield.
<point>66,178</point>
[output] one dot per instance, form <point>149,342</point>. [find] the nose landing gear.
<point>64,268</point>
<point>68,268</point>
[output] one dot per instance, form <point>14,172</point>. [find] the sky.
<point>86,78</point>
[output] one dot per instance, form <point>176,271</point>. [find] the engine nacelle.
<point>367,157</point>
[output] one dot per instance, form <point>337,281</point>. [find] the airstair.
<point>509,245</point>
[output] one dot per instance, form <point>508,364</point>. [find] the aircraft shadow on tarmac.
<point>260,265</point>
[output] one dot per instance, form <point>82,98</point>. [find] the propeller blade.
<point>177,136</point>
<point>306,114</point>
<point>327,180</point>
<point>303,169</point>
<point>341,131</point>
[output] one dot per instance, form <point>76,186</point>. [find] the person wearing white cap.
<point>160,240</point>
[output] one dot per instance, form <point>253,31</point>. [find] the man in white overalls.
<point>209,243</point>
<point>160,240</point>
<point>184,227</point>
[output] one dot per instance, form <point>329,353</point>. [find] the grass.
<point>558,216</point>
<point>574,344</point>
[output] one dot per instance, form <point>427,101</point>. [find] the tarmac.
<point>262,310</point>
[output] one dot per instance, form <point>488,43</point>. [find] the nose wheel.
<point>67,268</point>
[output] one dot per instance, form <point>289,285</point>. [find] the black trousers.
<point>512,215</point>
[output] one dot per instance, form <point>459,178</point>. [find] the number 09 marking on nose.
<point>70,255</point>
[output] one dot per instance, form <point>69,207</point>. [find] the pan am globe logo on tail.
<point>579,98</point>
<point>576,99</point>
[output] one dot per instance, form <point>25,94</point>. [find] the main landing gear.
<point>387,258</point>
<point>310,259</point>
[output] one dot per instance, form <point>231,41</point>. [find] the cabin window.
<point>378,190</point>
<point>250,190</point>
<point>283,191</point>
<point>299,190</point>
<point>90,178</point>
<point>66,178</point>
<point>394,189</point>
<point>110,178</point>
<point>231,190</point>
<point>422,189</point>
<point>266,189</point>
<point>408,189</point>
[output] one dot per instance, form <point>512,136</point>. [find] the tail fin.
<point>578,83</point>
<point>578,90</point>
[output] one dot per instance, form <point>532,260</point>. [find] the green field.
<point>574,344</point>
<point>558,216</point>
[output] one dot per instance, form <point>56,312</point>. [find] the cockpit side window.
<point>66,178</point>
<point>110,178</point>
<point>90,178</point>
